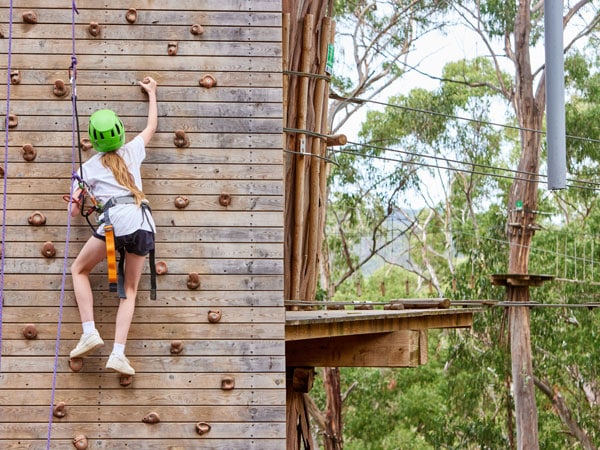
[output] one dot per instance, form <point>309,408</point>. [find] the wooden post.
<point>316,208</point>
<point>300,185</point>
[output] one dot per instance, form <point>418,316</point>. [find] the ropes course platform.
<point>366,338</point>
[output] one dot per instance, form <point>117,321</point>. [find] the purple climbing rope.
<point>4,195</point>
<point>74,143</point>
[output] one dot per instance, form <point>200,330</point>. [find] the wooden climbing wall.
<point>229,377</point>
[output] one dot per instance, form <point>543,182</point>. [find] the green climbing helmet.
<point>106,131</point>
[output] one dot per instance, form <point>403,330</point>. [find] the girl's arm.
<point>149,85</point>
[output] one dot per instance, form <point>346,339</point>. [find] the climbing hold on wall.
<point>86,144</point>
<point>176,347</point>
<point>59,410</point>
<point>94,28</point>
<point>197,29</point>
<point>29,152</point>
<point>227,383</point>
<point>37,219</point>
<point>30,331</point>
<point>151,417</point>
<point>76,364</point>
<point>214,316</point>
<point>48,249</point>
<point>208,81</point>
<point>172,48</point>
<point>125,380</point>
<point>181,140</point>
<point>15,77</point>
<point>30,17</point>
<point>193,281</point>
<point>224,199</point>
<point>131,15</point>
<point>161,268</point>
<point>181,201</point>
<point>80,442</point>
<point>202,428</point>
<point>60,89</point>
<point>13,120</point>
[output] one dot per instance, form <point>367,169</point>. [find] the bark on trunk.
<point>523,199</point>
<point>333,439</point>
<point>563,411</point>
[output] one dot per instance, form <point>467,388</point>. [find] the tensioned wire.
<point>581,184</point>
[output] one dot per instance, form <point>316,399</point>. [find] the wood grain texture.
<point>237,249</point>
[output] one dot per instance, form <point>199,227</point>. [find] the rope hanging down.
<point>4,193</point>
<point>74,142</point>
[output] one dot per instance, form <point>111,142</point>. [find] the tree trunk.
<point>522,207</point>
<point>563,411</point>
<point>333,439</point>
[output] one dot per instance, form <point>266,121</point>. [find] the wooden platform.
<point>366,338</point>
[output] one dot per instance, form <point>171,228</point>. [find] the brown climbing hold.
<point>30,17</point>
<point>29,152</point>
<point>80,442</point>
<point>60,89</point>
<point>224,199</point>
<point>59,410</point>
<point>172,48</point>
<point>94,29</point>
<point>15,77</point>
<point>176,347</point>
<point>193,281</point>
<point>126,380</point>
<point>227,383</point>
<point>76,364</point>
<point>208,81</point>
<point>37,219</point>
<point>151,417</point>
<point>181,201</point>
<point>214,316</point>
<point>197,29</point>
<point>13,120</point>
<point>202,428</point>
<point>30,331</point>
<point>161,268</point>
<point>86,144</point>
<point>48,249</point>
<point>131,15</point>
<point>181,140</point>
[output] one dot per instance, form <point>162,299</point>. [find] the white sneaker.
<point>88,342</point>
<point>119,364</point>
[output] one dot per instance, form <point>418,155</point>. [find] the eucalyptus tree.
<point>509,32</point>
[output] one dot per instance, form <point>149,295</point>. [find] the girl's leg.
<point>134,265</point>
<point>90,255</point>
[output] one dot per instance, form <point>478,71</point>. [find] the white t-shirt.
<point>126,218</point>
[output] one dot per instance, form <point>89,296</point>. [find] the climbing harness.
<point>116,276</point>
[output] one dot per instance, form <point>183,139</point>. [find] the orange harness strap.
<point>111,257</point>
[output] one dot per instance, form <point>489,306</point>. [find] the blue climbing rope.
<point>74,144</point>
<point>4,194</point>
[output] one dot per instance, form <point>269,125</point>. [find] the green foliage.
<point>462,399</point>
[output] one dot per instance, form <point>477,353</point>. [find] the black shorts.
<point>139,242</point>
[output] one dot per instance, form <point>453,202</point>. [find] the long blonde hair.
<point>118,167</point>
